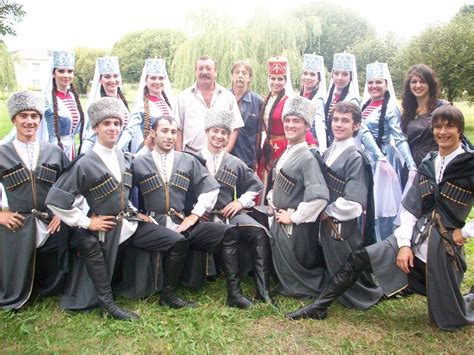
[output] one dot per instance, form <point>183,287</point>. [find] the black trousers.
<point>207,236</point>
<point>148,236</point>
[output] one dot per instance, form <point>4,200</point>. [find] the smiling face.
<point>343,126</point>
<point>26,124</point>
<point>447,135</point>
<point>63,78</point>
<point>309,79</point>
<point>340,78</point>
<point>108,131</point>
<point>165,135</point>
<point>277,83</point>
<point>155,84</point>
<point>217,138</point>
<point>111,83</point>
<point>419,87</point>
<point>295,129</point>
<point>376,88</point>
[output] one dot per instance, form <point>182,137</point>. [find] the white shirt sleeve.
<point>247,199</point>
<point>468,230</point>
<point>404,233</point>
<point>344,210</point>
<point>74,217</point>
<point>308,211</point>
<point>205,202</point>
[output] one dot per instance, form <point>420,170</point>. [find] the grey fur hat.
<point>24,101</point>
<point>219,117</point>
<point>105,107</point>
<point>301,107</point>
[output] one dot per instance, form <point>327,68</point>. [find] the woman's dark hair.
<point>409,103</point>
<point>344,93</point>
<point>119,94</point>
<point>315,89</point>
<point>266,150</point>
<point>383,111</point>
<point>146,109</point>
<point>72,88</point>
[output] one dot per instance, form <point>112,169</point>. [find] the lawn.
<point>396,325</point>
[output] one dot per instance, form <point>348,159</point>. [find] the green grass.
<point>396,325</point>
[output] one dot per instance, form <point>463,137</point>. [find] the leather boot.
<point>262,266</point>
<point>91,252</point>
<point>347,276</point>
<point>230,266</point>
<point>172,268</point>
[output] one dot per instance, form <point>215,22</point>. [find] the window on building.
<point>36,66</point>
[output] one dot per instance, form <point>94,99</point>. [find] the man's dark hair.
<point>448,113</point>
<point>349,107</point>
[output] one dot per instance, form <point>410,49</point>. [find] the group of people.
<point>222,179</point>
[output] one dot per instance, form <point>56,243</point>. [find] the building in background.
<point>32,68</point>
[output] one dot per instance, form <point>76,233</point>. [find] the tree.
<point>448,49</point>
<point>10,13</point>
<point>7,73</point>
<point>85,66</point>
<point>340,29</point>
<point>135,47</point>
<point>385,50</point>
<point>263,37</point>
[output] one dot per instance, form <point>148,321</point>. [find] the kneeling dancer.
<point>103,176</point>
<point>426,252</point>
<point>165,179</point>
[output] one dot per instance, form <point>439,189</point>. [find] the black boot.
<point>172,269</point>
<point>262,264</point>
<point>91,252</point>
<point>347,276</point>
<point>230,265</point>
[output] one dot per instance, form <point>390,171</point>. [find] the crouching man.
<point>103,176</point>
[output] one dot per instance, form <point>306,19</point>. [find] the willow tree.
<point>218,36</point>
<point>7,73</point>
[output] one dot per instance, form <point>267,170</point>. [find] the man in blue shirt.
<point>249,105</point>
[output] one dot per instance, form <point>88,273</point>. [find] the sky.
<point>59,24</point>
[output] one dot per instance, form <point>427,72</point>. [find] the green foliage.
<point>263,37</point>
<point>341,29</point>
<point>85,66</point>
<point>10,13</point>
<point>137,46</point>
<point>7,73</point>
<point>448,49</point>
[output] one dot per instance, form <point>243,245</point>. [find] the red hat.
<point>277,66</point>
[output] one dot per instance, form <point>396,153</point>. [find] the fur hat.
<point>105,107</point>
<point>24,101</point>
<point>219,117</point>
<point>301,107</point>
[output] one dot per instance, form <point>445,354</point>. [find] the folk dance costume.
<point>103,66</point>
<point>299,188</point>
<point>27,171</point>
<point>443,185</point>
<point>239,183</point>
<point>167,183</point>
<point>63,117</point>
<point>315,63</point>
<point>103,176</point>
<point>341,62</point>
<point>349,179</point>
<point>376,135</point>
<point>147,108</point>
<point>271,122</point>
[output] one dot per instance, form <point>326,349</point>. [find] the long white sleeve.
<point>404,233</point>
<point>307,212</point>
<point>205,202</point>
<point>344,210</point>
